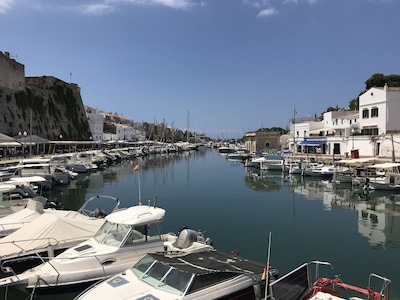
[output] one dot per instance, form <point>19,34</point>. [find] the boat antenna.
<point>136,169</point>
<point>266,269</point>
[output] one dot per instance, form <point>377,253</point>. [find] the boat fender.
<point>257,292</point>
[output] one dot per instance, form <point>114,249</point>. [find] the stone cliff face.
<point>48,106</point>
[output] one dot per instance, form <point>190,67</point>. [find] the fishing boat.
<point>39,234</point>
<point>126,236</point>
<point>202,275</point>
<point>307,282</point>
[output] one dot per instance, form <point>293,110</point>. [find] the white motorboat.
<point>326,171</point>
<point>240,155</point>
<point>125,237</point>
<point>272,162</point>
<point>42,167</point>
<point>201,276</point>
<point>40,234</point>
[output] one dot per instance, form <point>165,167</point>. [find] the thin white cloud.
<point>268,12</point>
<point>96,9</point>
<point>5,5</point>
<point>256,3</point>
<point>176,4</point>
<point>267,7</point>
<point>290,1</point>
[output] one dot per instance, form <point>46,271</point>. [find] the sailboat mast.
<point>187,132</point>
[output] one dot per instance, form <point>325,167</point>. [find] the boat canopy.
<point>137,215</point>
<point>355,161</point>
<point>386,166</point>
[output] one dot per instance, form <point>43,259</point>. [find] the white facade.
<point>96,123</point>
<point>379,110</point>
<point>372,131</point>
<point>124,133</point>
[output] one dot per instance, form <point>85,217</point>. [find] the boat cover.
<point>49,229</point>
<point>16,220</point>
<point>33,210</point>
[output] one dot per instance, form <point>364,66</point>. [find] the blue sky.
<point>232,65</point>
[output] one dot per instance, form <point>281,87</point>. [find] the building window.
<point>374,112</point>
<point>365,113</point>
<point>370,131</point>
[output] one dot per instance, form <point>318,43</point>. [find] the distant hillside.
<point>51,106</point>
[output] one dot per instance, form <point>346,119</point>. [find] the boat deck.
<point>212,261</point>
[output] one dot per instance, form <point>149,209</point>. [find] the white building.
<point>379,110</point>
<point>96,123</point>
<point>369,132</point>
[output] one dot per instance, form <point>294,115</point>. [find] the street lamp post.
<point>352,134</point>
<point>23,144</point>
<point>60,141</point>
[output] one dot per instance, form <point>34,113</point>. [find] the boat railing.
<point>317,271</point>
<point>335,282</point>
<point>3,226</point>
<point>385,283</point>
<point>83,209</point>
<point>36,255</point>
<point>51,242</point>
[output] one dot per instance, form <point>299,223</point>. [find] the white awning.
<point>10,144</point>
<point>386,166</point>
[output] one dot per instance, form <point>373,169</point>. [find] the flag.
<point>136,168</point>
<point>264,275</point>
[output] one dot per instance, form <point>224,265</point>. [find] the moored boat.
<point>125,237</point>
<point>202,275</point>
<point>306,282</point>
<point>38,234</point>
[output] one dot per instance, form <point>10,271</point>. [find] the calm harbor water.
<point>239,207</point>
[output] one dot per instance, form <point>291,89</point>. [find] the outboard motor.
<point>186,238</point>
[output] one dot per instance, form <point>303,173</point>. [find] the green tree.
<point>353,104</point>
<point>379,80</point>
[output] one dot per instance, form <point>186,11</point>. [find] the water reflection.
<point>378,211</point>
<point>239,206</point>
<point>263,180</point>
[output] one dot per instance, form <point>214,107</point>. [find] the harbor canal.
<point>238,207</point>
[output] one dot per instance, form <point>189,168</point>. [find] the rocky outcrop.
<point>47,107</point>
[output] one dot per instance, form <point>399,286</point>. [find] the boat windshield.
<point>162,276</point>
<point>112,233</point>
<point>125,235</point>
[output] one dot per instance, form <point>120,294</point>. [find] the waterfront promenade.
<point>320,158</point>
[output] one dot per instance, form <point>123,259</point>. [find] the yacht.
<point>125,237</point>
<point>202,276</point>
